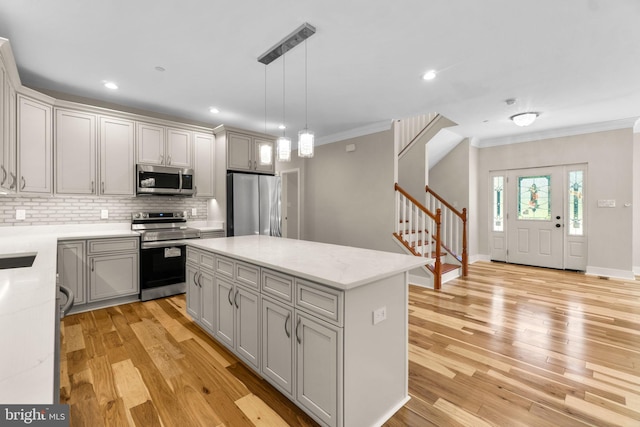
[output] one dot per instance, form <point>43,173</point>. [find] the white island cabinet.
<point>327,325</point>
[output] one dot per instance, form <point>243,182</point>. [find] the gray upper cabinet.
<point>75,153</point>
<point>204,164</point>
<point>8,147</point>
<point>34,146</point>
<point>159,145</point>
<point>247,151</point>
<point>117,158</point>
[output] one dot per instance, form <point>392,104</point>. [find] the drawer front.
<point>224,266</point>
<point>98,246</point>
<point>277,285</point>
<point>212,234</point>
<point>319,300</point>
<point>248,274</point>
<point>193,256</point>
<point>207,260</point>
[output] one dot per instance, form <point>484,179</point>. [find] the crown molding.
<point>630,123</point>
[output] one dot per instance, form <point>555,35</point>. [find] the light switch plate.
<point>194,211</point>
<point>104,214</point>
<point>21,214</point>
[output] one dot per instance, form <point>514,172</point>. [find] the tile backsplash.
<point>52,210</point>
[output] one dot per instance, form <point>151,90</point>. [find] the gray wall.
<point>609,156</point>
<point>348,198</point>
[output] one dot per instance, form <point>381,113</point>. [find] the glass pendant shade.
<point>305,143</point>
<point>283,149</point>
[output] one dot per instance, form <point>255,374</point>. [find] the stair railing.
<point>454,228</point>
<point>418,229</point>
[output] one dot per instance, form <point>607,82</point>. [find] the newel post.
<point>437,273</point>
<point>465,255</point>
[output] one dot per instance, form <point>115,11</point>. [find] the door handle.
<point>93,263</point>
<point>4,174</point>
<point>557,216</point>
<point>285,325</point>
<point>558,225</point>
<point>24,183</point>
<point>235,299</point>
<point>229,296</point>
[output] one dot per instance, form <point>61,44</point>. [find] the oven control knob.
<point>137,215</point>
<point>178,215</point>
<point>145,215</point>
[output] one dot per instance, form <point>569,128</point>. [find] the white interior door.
<point>535,222</point>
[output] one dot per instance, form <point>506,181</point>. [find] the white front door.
<point>537,216</point>
<point>535,225</point>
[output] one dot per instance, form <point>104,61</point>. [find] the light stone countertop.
<point>341,267</point>
<point>28,304</point>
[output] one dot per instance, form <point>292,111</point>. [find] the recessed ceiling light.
<point>110,85</point>
<point>282,127</point>
<point>429,75</point>
<point>214,110</point>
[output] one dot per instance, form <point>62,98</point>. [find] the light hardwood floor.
<point>507,346</point>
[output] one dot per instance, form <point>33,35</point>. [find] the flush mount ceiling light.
<point>214,110</point>
<point>524,119</point>
<point>110,85</point>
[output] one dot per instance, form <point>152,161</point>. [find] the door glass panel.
<point>498,203</point>
<point>534,197</point>
<point>576,218</point>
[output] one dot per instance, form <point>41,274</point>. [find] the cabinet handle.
<point>297,327</point>
<point>249,164</point>
<point>161,158</point>
<point>255,164</point>
<point>93,187</point>
<point>229,296</point>
<point>24,183</point>
<point>195,191</point>
<point>92,264</point>
<point>14,181</point>
<point>102,187</point>
<point>169,160</point>
<point>4,174</point>
<point>285,325</point>
<point>235,299</point>
<point>195,279</point>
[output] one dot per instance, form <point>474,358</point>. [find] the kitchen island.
<point>325,324</point>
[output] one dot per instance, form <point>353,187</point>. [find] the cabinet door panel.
<point>71,269</point>
<point>178,148</point>
<point>203,164</point>
<point>116,156</point>
<point>34,146</point>
<point>207,296</point>
<point>193,293</point>
<point>150,144</point>
<point>75,152</point>
<point>318,368</point>
<point>224,315</point>
<point>113,276</point>
<point>277,345</point>
<point>239,152</point>
<point>247,320</point>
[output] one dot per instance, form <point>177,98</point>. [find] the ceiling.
<point>577,62</point>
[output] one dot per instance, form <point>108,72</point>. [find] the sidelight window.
<point>575,205</point>
<point>498,203</point>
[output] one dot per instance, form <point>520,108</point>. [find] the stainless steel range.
<point>162,252</point>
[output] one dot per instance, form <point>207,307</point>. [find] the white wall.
<point>609,156</point>
<point>636,199</point>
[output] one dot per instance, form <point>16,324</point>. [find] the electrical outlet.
<point>104,214</point>
<point>21,214</point>
<point>194,211</point>
<point>379,315</point>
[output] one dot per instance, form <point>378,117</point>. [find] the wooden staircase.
<point>437,232</point>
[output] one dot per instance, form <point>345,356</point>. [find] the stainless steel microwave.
<point>164,181</point>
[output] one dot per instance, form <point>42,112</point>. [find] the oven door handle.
<point>163,244</point>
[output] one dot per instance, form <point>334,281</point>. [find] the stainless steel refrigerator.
<point>253,205</point>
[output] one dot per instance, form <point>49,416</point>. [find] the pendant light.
<point>283,144</point>
<point>305,136</point>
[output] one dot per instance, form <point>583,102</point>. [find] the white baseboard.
<point>636,270</point>
<point>610,272</point>
<point>479,257</point>
<point>425,282</point>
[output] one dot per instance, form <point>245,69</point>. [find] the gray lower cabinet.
<point>99,270</point>
<point>318,368</point>
<point>200,296</point>
<point>278,351</point>
<point>237,318</point>
<point>72,268</point>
